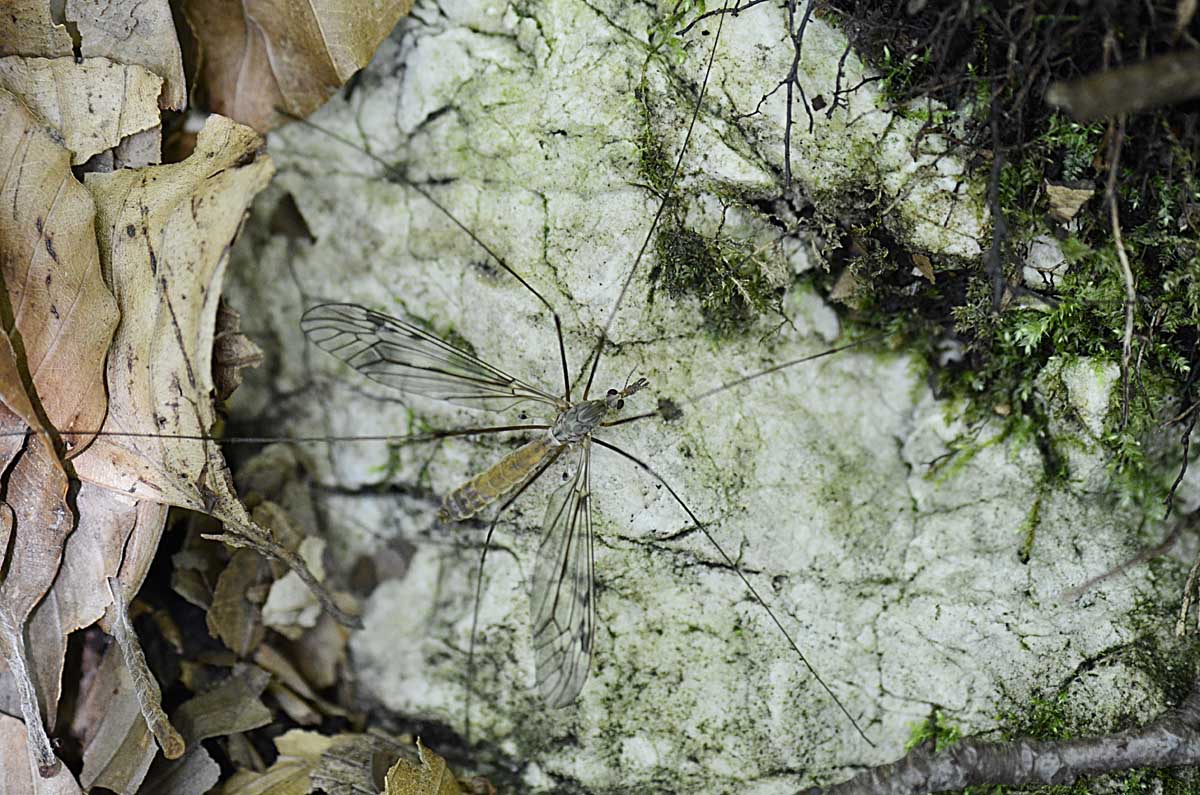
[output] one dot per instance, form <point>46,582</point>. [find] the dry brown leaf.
<point>286,673</point>
<point>26,28</point>
<point>1166,79</point>
<point>285,776</point>
<point>291,774</point>
<point>139,32</point>
<point>320,652</point>
<point>117,746</point>
<point>232,352</point>
<point>259,55</point>
<point>195,774</point>
<point>93,104</point>
<point>164,235</point>
<point>293,706</point>
<point>145,686</point>
<point>232,706</point>
<point>118,749</point>
<point>924,266</point>
<point>41,522</point>
<point>234,617</point>
<point>23,778</point>
<point>1185,10</point>
<point>139,150</point>
<point>430,777</point>
<point>1067,199</point>
<point>113,536</point>
<point>17,413</point>
<point>51,268</point>
<point>356,763</point>
<point>291,608</point>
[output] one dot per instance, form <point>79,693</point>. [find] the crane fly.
<point>397,353</point>
<point>400,354</point>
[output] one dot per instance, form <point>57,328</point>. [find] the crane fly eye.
<point>620,404</point>
<point>612,392</point>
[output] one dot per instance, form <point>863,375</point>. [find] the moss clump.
<point>1005,328</point>
<point>729,277</point>
<point>936,730</point>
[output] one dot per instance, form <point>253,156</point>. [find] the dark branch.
<point>1172,740</point>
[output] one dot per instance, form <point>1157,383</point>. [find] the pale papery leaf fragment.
<point>51,270</point>
<point>135,32</point>
<point>21,776</point>
<point>26,28</point>
<point>93,104</point>
<point>259,55</point>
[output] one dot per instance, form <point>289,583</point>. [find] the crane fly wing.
<point>562,603</point>
<point>394,352</point>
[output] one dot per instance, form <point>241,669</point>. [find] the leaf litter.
<point>110,324</point>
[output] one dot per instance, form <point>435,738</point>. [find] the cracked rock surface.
<point>899,571</point>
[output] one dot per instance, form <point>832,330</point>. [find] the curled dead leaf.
<point>232,351</point>
<point>259,55</point>
<point>51,268</point>
<point>431,776</point>
<point>135,32</point>
<point>94,104</point>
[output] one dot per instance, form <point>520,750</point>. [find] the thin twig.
<point>1123,259</point>
<point>145,686</point>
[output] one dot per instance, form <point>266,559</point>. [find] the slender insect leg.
<point>745,581</point>
<point>487,543</point>
<point>593,359</point>
<point>398,176</point>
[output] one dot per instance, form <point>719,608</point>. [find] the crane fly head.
<point>615,398</point>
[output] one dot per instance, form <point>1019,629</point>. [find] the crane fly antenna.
<point>396,175</point>
<point>689,401</point>
<point>593,359</point>
<point>741,575</point>
<point>781,366</point>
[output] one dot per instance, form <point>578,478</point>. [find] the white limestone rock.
<point>894,566</point>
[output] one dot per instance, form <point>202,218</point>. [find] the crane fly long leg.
<point>562,600</point>
<point>741,575</point>
<point>397,175</point>
<point>593,359</point>
<point>487,542</point>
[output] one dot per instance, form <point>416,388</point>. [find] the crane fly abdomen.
<point>499,480</point>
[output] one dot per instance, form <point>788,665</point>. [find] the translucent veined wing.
<point>397,353</point>
<point>564,621</point>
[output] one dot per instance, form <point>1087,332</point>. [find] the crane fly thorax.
<point>579,420</point>
<point>585,416</point>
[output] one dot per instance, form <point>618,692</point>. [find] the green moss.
<point>977,72</point>
<point>727,276</point>
<point>936,730</point>
<point>1029,528</point>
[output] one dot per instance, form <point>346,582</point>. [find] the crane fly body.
<point>400,353</point>
<point>573,427</point>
